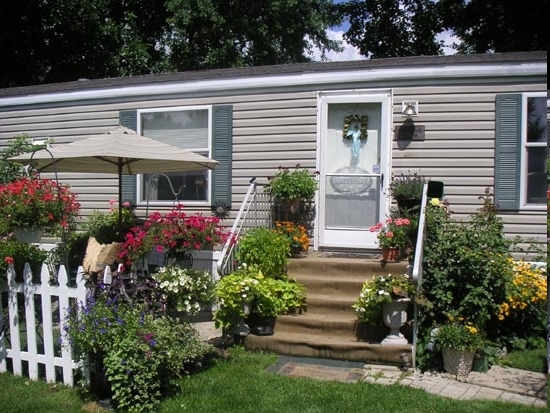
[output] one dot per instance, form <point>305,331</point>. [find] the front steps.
<point>329,327</point>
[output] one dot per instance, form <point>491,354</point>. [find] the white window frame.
<point>140,197</point>
<point>523,156</point>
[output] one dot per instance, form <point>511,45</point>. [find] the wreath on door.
<point>352,121</point>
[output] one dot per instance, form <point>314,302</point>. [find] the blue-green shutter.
<point>128,118</point>
<point>508,151</point>
<point>222,152</point>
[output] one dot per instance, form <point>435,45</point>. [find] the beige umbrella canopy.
<point>119,151</point>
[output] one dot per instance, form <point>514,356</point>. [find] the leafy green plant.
<point>273,297</point>
<point>247,291</point>
<point>17,253</point>
<point>9,170</point>
<point>143,355</point>
<point>184,289</point>
<point>407,186</point>
<point>292,184</point>
<point>266,249</point>
<point>105,228</point>
<point>466,266</point>
<point>234,295</point>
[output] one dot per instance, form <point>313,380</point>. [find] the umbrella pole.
<point>119,196</point>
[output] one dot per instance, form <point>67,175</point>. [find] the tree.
<point>235,33</point>
<point>495,25</point>
<point>391,28</point>
<point>44,41</point>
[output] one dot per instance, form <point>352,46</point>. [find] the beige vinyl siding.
<point>278,127</point>
<point>269,130</point>
<point>459,148</point>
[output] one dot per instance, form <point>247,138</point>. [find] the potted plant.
<point>289,187</point>
<point>36,204</point>
<point>249,301</point>
<point>459,341</point>
<point>385,299</point>
<point>392,237</point>
<point>184,290</point>
<point>273,297</point>
<point>407,192</point>
<point>295,234</point>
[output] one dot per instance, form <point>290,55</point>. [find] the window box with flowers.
<point>174,235</point>
<point>392,237</point>
<point>38,204</point>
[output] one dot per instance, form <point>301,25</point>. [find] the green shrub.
<point>143,355</point>
<point>467,268</point>
<point>266,249</point>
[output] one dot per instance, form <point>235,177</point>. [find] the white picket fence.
<point>38,310</point>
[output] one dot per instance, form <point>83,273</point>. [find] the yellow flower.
<point>434,201</point>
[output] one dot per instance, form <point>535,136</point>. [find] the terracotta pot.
<point>291,205</point>
<point>390,254</point>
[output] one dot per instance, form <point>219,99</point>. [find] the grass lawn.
<point>532,360</point>
<point>242,383</point>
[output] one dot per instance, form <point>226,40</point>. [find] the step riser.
<point>365,353</point>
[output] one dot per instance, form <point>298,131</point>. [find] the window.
<point>207,130</point>
<point>186,128</point>
<point>535,150</point>
<point>521,151</point>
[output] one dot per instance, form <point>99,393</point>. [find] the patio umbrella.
<point>120,151</point>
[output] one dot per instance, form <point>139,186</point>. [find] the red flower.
<point>34,202</point>
<point>8,260</point>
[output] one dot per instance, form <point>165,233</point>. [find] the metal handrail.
<point>255,212</point>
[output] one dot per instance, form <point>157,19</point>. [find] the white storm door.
<point>352,167</point>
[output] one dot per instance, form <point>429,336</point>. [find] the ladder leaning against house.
<point>255,212</point>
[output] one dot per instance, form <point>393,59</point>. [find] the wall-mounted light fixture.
<point>409,108</point>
